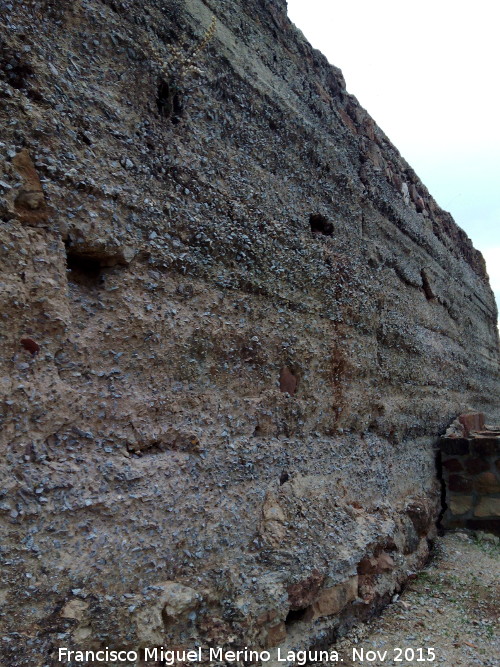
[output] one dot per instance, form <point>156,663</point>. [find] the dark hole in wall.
<point>296,615</point>
<point>288,381</point>
<point>169,101</point>
<point>82,136</point>
<point>429,294</point>
<point>14,69</point>
<point>320,225</point>
<point>163,100</point>
<point>83,269</point>
<point>167,619</point>
<point>113,6</point>
<point>18,75</point>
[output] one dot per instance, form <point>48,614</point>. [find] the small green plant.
<point>490,631</point>
<point>488,544</point>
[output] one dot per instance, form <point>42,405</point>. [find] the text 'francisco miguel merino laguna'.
<point>168,657</point>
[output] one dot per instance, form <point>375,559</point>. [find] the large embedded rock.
<point>169,605</point>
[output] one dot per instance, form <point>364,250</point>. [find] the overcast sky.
<point>428,73</point>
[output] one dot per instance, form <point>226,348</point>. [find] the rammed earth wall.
<point>234,322</point>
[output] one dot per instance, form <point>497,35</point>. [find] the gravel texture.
<point>452,606</point>
<point>234,323</point>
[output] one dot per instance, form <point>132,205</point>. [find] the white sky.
<point>428,72</point>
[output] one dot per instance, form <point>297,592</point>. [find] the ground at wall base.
<point>451,606</point>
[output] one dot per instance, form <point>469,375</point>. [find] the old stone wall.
<point>470,458</point>
<point>234,322</point>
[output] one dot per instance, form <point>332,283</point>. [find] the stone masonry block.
<point>476,465</point>
<point>454,446</point>
<point>472,421</point>
<point>460,504</point>
<point>459,484</point>
<point>488,507</point>
<point>484,446</point>
<point>453,465</point>
<point>332,600</point>
<point>487,483</point>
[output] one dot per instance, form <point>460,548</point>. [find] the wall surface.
<point>234,323</point>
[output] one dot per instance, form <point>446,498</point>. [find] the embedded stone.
<point>366,587</point>
<point>29,202</point>
<point>30,345</point>
<point>476,465</point>
<point>488,507</point>
<point>266,617</point>
<point>453,465</point>
<point>385,563</point>
<point>303,593</point>
<point>420,514</point>
<point>487,483</point>
<point>276,635</point>
<point>178,599</point>
<point>272,526</point>
<point>332,600</point>
<point>288,381</point>
<point>459,484</point>
<point>376,565</point>
<point>472,421</point>
<point>460,504</point>
<point>74,609</point>
<point>156,613</point>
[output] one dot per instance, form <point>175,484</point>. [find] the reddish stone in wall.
<point>382,563</point>
<point>30,203</point>
<point>348,121</point>
<point>303,593</point>
<point>459,484</point>
<point>288,381</point>
<point>472,421</point>
<point>276,635</point>
<point>475,465</point>
<point>487,483</point>
<point>30,345</point>
<point>453,465</point>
